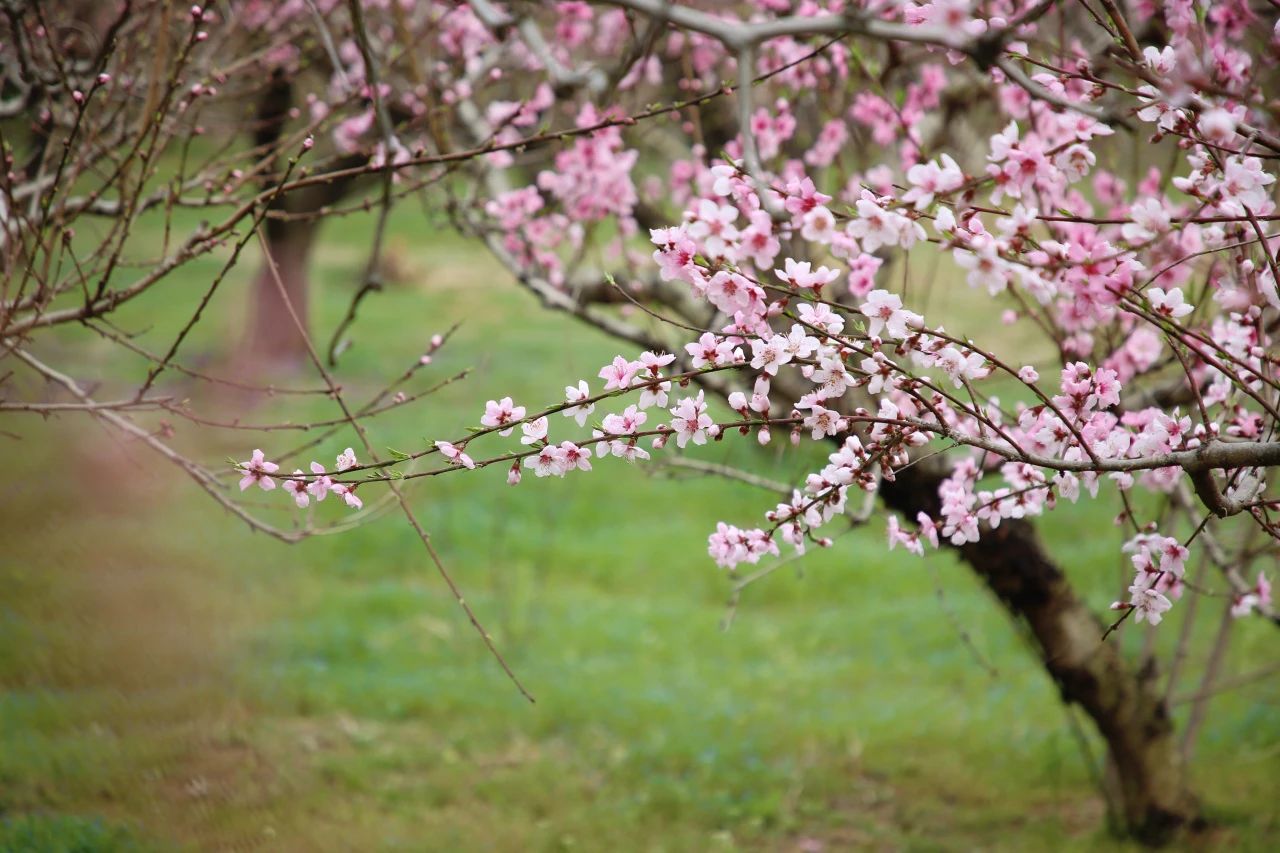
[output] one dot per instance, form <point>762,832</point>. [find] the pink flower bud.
<point>77,96</point>
<point>513,475</point>
<point>763,436</point>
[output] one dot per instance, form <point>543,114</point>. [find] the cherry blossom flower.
<point>580,413</point>
<point>822,422</point>
<point>619,373</point>
<point>931,179</point>
<point>321,483</point>
<point>1150,217</point>
<point>818,225</point>
<point>690,420</point>
<point>501,412</point>
<point>905,538</point>
<point>712,350</point>
<point>769,355</point>
<point>884,312</point>
<point>1149,604</point>
<point>455,454</point>
<point>298,489</point>
<point>547,462</point>
<point>801,275</point>
<point>1169,304</point>
<point>347,491</point>
<point>572,456</point>
<point>256,471</point>
<point>712,226</point>
<point>534,431</point>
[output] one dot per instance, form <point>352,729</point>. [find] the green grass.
<point>172,680</point>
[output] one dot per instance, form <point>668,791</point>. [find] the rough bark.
<point>273,338</point>
<point>1124,704</point>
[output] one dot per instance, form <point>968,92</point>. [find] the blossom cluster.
<point>1152,290</point>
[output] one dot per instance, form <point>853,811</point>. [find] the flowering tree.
<point>745,196</point>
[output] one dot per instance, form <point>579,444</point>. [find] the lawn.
<point>173,681</point>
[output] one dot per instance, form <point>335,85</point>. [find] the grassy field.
<point>171,680</point>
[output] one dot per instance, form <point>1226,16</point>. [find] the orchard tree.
<point>759,201</point>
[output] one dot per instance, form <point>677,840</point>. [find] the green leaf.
<point>398,455</point>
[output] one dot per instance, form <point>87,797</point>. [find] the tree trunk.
<point>1125,705</point>
<point>274,338</point>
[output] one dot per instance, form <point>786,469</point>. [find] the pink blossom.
<point>580,412</point>
<point>862,274</point>
<point>1169,304</point>
<point>884,312</point>
<point>1149,604</point>
<point>769,355</point>
<point>347,491</point>
<point>712,350</point>
<point>321,483</point>
<point>799,274</point>
<point>547,462</point>
<point>535,430</point>
<point>454,454</point>
<point>712,226</point>
<point>502,412</point>
<point>572,456</point>
<point>256,471</point>
<point>298,489</point>
<point>931,179</point>
<point>690,420</point>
